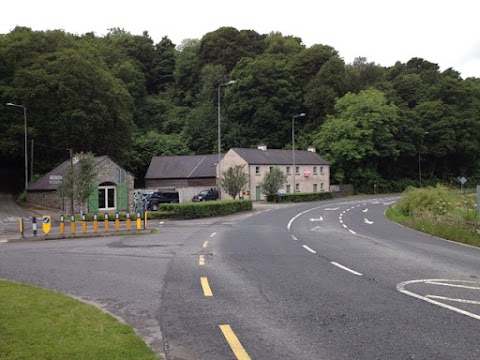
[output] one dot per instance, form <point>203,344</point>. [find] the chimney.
<point>312,149</point>
<point>262,147</point>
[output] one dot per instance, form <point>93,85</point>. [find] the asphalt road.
<point>331,280</point>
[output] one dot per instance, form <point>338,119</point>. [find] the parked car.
<point>160,197</point>
<point>206,195</point>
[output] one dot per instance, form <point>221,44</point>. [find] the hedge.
<point>300,197</point>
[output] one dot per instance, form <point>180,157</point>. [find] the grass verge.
<point>441,212</point>
<point>40,324</point>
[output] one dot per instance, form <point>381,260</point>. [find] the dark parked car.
<point>206,195</point>
<point>160,197</point>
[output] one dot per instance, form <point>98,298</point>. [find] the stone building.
<point>112,189</point>
<point>311,173</point>
<point>189,174</point>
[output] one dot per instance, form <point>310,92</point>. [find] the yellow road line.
<point>201,261</point>
<point>205,244</point>
<point>213,234</point>
<point>234,343</point>
<point>206,287</point>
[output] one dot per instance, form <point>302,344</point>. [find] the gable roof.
<point>182,167</point>
<point>279,157</point>
<point>45,184</point>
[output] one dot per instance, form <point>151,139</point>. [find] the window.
<point>297,169</point>
<point>271,168</point>
<point>288,188</point>
<point>297,187</point>
<point>314,170</point>
<point>288,169</point>
<point>257,170</point>
<point>321,187</point>
<point>106,197</point>
<point>321,169</point>
<point>314,187</point>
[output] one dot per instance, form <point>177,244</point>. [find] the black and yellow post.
<point>95,222</point>
<point>128,221</point>
<point>105,223</point>
<point>73,225</point>
<point>117,221</point>
<point>139,221</point>
<point>84,223</point>
<point>62,224</point>
<point>21,226</point>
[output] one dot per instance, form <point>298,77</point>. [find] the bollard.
<point>139,221</point>
<point>117,221</point>
<point>73,225</point>
<point>62,224</point>
<point>84,223</point>
<point>145,220</point>
<point>34,226</point>
<point>20,224</point>
<point>128,221</point>
<point>95,222</point>
<point>106,221</point>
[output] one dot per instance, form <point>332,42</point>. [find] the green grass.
<point>42,324</point>
<point>439,211</point>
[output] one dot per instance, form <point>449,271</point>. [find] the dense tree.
<point>273,181</point>
<point>359,137</point>
<point>259,106</point>
<point>234,180</point>
<point>92,93</point>
<point>226,46</point>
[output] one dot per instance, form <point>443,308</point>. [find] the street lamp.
<point>26,149</point>
<point>293,145</point>
<point>419,159</point>
<point>219,131</point>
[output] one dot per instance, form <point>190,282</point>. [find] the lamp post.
<point>26,149</point>
<point>219,133</point>
<point>293,146</point>
<point>419,159</point>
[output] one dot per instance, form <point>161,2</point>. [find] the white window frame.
<point>106,188</point>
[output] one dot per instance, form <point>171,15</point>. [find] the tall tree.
<point>359,137</point>
<point>259,107</point>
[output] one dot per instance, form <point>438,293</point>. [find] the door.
<point>257,193</point>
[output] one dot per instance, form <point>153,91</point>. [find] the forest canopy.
<point>125,96</point>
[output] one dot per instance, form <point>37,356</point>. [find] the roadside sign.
<point>55,179</point>
<point>462,180</point>
<point>46,222</point>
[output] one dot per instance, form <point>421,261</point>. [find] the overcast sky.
<point>444,32</point>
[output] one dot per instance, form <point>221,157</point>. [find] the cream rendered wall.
<point>232,159</point>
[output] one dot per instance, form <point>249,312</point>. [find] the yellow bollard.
<point>139,221</point>
<point>106,222</point>
<point>145,220</point>
<point>95,222</point>
<point>22,229</point>
<point>117,221</point>
<point>73,226</point>
<point>84,223</point>
<point>128,221</point>
<point>62,224</point>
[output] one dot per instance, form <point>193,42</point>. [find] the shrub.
<point>436,200</point>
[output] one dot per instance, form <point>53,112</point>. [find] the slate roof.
<point>182,167</point>
<point>204,166</point>
<point>43,184</point>
<point>279,157</point>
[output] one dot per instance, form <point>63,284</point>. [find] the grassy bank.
<point>41,324</point>
<point>439,211</point>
